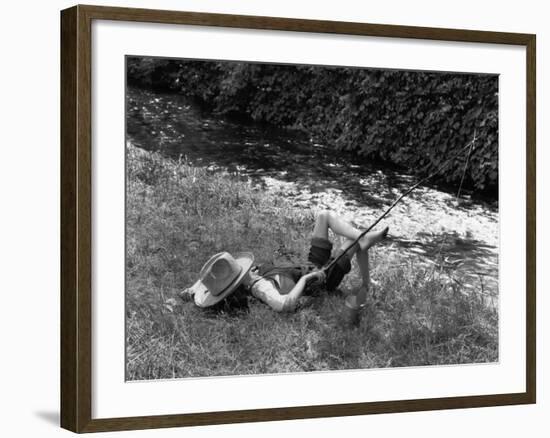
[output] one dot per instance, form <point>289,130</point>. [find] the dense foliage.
<point>411,119</point>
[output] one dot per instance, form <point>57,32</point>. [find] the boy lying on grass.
<point>280,287</point>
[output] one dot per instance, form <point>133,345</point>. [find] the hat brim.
<point>203,298</point>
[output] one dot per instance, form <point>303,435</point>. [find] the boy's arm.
<point>291,299</point>
<point>266,291</point>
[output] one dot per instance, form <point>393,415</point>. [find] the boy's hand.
<point>316,275</point>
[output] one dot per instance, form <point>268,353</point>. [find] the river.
<point>432,224</point>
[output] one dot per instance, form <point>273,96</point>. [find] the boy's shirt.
<point>272,289</point>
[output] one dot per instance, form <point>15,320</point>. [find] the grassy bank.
<point>179,215</point>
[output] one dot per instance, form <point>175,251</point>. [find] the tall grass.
<point>179,215</point>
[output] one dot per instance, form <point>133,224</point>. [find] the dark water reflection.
<point>427,223</point>
<point>170,124</point>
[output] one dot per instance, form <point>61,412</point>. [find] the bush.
<point>411,119</point>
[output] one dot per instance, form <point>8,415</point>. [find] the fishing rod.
<point>470,145</point>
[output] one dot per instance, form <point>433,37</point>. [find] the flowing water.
<point>430,224</point>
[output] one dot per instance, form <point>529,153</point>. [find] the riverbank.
<point>431,224</point>
<point>179,214</point>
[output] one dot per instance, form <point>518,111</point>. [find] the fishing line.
<point>444,241</point>
<point>469,146</point>
<point>466,166</point>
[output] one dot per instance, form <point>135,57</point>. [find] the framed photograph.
<point>270,218</point>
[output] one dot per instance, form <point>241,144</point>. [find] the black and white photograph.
<point>285,218</point>
<point>275,219</point>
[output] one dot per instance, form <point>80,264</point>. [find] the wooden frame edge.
<point>531,219</point>
<point>302,25</point>
<point>301,413</point>
<point>76,222</point>
<point>75,348</point>
<point>69,329</point>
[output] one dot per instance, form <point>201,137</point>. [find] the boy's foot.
<point>373,238</point>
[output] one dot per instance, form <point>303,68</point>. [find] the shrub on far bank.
<point>411,119</point>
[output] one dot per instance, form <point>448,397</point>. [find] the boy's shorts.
<point>320,254</point>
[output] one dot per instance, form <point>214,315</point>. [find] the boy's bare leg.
<point>372,238</point>
<point>351,251</point>
<point>321,225</point>
<point>327,220</point>
<point>363,262</point>
<point>362,256</point>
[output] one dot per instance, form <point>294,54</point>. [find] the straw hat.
<point>220,276</point>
